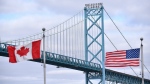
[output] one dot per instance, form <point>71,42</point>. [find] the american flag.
<point>123,58</point>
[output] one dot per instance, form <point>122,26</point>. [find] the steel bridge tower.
<point>94,37</point>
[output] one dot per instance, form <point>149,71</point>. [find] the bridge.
<point>78,43</point>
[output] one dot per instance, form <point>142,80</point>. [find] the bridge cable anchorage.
<point>116,48</point>
<point>123,36</point>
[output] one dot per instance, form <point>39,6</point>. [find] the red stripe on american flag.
<point>115,65</point>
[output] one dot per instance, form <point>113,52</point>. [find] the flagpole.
<point>142,61</point>
<point>44,65</point>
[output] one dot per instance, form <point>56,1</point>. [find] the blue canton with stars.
<point>132,53</point>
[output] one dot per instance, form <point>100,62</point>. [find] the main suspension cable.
<point>117,50</point>
<point>123,36</point>
<point>117,27</point>
<point>115,46</point>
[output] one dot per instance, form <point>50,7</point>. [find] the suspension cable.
<point>111,41</point>
<point>115,47</point>
<point>123,36</point>
<point>117,50</point>
<point>117,28</point>
<point>146,68</point>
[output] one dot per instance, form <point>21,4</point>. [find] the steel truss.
<point>94,21</point>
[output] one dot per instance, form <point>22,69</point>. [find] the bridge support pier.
<point>94,40</point>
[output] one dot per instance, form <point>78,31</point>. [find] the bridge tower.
<point>94,40</point>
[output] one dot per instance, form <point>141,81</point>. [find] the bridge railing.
<point>72,61</point>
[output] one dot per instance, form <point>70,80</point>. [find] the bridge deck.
<point>78,64</point>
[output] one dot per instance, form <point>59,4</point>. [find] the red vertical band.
<point>11,52</point>
<point>36,49</point>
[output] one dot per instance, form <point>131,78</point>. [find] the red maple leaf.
<point>23,51</point>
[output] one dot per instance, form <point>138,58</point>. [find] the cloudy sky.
<point>21,18</point>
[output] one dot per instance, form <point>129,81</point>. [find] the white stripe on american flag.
<point>118,59</point>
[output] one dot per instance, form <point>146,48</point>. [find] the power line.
<point>122,35</point>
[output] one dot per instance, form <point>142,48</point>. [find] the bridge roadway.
<point>82,65</point>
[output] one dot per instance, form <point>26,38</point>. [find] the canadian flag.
<point>24,52</point>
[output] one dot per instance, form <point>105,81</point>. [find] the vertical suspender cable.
<point>54,41</point>
<point>47,42</point>
<point>60,40</point>
<point>66,37</point>
<point>57,39</point>
<point>76,21</point>
<point>69,37</point>
<point>51,40</point>
<point>72,35</point>
<point>63,40</point>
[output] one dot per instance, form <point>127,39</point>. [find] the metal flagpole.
<point>44,65</point>
<point>142,61</point>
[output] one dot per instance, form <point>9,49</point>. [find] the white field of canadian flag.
<point>24,52</point>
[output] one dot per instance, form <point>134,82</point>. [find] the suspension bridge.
<point>78,43</point>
